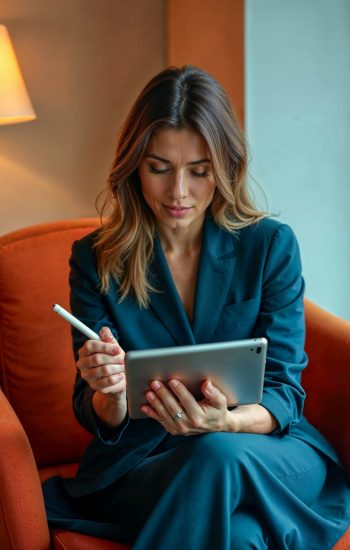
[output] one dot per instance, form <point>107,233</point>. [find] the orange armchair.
<point>39,435</point>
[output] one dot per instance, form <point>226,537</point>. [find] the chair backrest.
<point>37,367</point>
<point>327,377</point>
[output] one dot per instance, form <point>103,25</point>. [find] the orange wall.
<point>210,34</point>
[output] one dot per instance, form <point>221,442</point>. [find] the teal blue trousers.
<point>219,491</point>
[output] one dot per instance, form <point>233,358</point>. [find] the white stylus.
<point>75,322</point>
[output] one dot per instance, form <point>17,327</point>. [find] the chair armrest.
<point>326,332</point>
<point>23,521</point>
<point>327,377</point>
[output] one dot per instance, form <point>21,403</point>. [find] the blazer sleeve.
<point>281,321</point>
<point>91,307</point>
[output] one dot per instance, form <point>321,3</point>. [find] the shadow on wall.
<point>26,195</point>
<point>83,64</point>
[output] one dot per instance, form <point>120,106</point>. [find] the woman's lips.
<point>177,211</point>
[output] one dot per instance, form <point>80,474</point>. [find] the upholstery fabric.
<point>37,373</point>
<point>63,470</point>
<point>327,378</point>
<point>23,524</point>
<point>344,542</point>
<point>64,540</point>
<point>35,342</point>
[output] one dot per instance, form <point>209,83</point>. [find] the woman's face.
<point>177,180</point>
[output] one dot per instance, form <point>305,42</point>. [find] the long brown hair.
<point>186,97</point>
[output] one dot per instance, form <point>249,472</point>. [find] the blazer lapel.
<point>215,274</point>
<point>167,303</point>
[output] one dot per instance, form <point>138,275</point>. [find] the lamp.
<point>15,105</point>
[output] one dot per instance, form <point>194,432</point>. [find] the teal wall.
<point>298,128</point>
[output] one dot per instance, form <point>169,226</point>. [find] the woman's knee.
<point>221,448</point>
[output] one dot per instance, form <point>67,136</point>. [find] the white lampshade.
<point>15,105</point>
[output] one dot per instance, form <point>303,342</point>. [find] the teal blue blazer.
<point>249,285</point>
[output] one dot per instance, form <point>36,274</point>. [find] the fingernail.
<point>150,396</point>
<point>173,383</point>
<point>210,388</point>
<point>115,349</point>
<point>156,385</point>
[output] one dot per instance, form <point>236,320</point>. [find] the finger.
<point>158,407</point>
<point>166,397</point>
<point>107,335</point>
<point>151,413</point>
<point>97,346</point>
<point>99,359</point>
<point>184,396</point>
<point>213,395</point>
<point>101,372</point>
<point>118,387</point>
<point>170,410</point>
<point>157,411</point>
<point>108,370</point>
<point>106,381</point>
<point>188,403</point>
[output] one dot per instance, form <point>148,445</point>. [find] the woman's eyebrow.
<point>157,157</point>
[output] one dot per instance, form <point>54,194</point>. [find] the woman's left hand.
<point>174,407</point>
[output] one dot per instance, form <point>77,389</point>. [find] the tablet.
<point>236,368</point>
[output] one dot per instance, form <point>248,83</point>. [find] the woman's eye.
<point>154,170</point>
<point>200,174</point>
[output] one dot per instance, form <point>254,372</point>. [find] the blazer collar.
<point>215,274</point>
<point>216,266</point>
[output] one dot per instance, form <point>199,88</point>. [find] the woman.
<point>184,257</point>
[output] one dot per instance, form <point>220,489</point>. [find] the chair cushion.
<point>62,470</point>
<point>344,542</point>
<point>36,356</point>
<point>66,540</point>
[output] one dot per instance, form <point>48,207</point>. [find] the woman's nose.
<point>179,187</point>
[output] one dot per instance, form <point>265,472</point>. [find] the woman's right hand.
<point>101,364</point>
